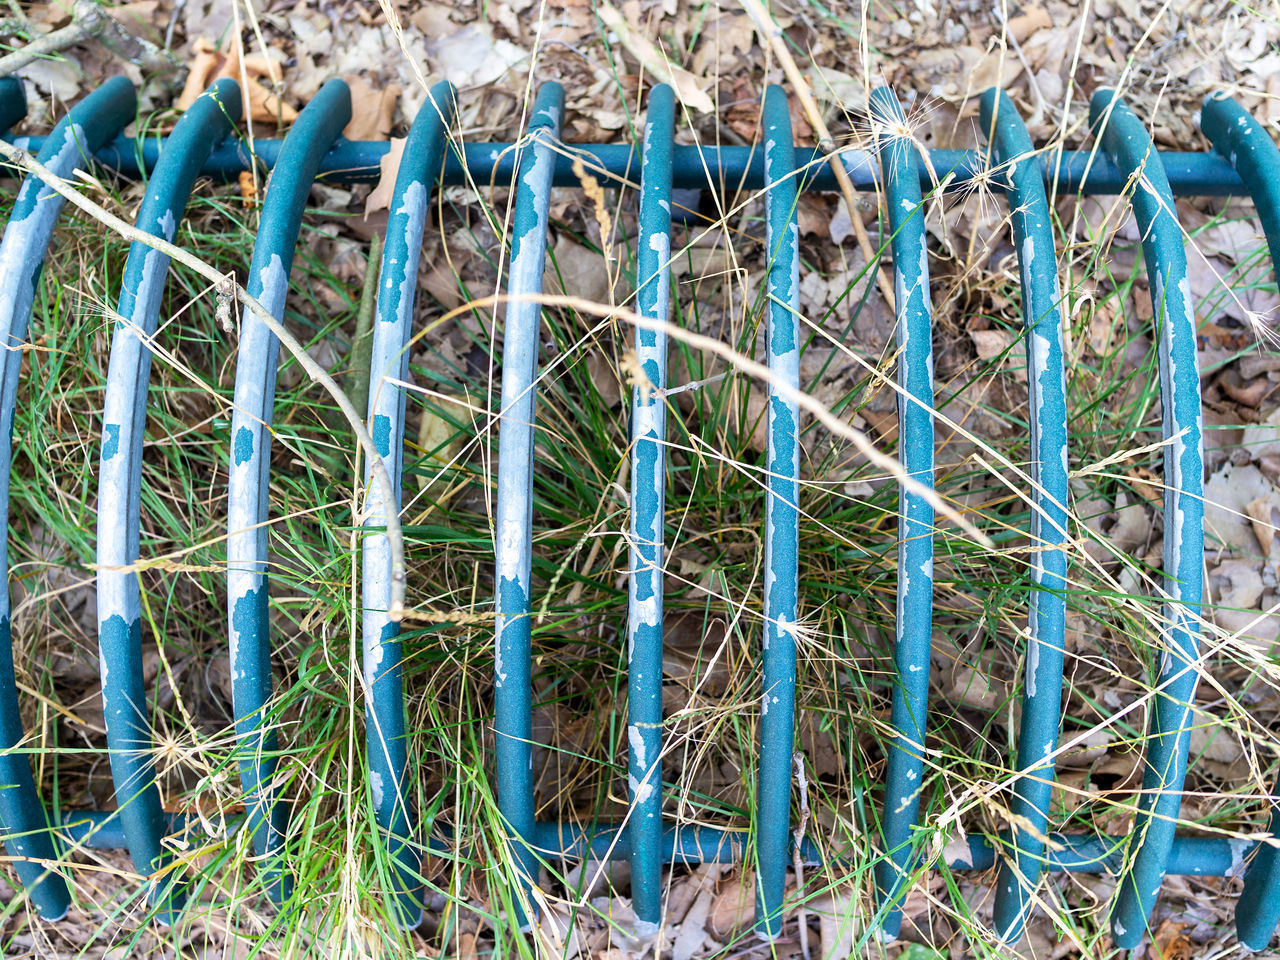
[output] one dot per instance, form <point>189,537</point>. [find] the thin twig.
<point>770,30</point>
<point>23,160</point>
<point>87,22</point>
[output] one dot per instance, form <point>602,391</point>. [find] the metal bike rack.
<point>1246,161</point>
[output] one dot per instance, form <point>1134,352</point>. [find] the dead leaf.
<point>380,196</point>
<point>734,906</point>
<point>1227,494</point>
<point>470,56</point>
<point>1171,942</point>
<point>1263,438</point>
<point>990,343</point>
<point>813,215</point>
<point>372,109</point>
<point>1265,516</point>
<point>575,271</point>
<point>1147,485</point>
<point>721,42</point>
<point>689,89</point>
<point>210,64</point>
<point>1028,22</point>
<point>248,188</point>
<point>838,88</point>
<point>996,343</point>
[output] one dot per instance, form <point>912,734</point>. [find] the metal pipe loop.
<point>124,418</point>
<point>904,778</point>
<point>385,736</point>
<point>35,840</point>
<point>248,528</point>
<point>648,517</point>
<point>732,167</point>
<point>513,534</point>
<point>13,102</point>
<point>99,116</point>
<point>781,519</point>
<point>1032,219</point>
<point>1247,146</point>
<point>1126,141</point>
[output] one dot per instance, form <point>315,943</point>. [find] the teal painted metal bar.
<point>124,415</point>
<point>1247,146</point>
<point>1066,852</point>
<point>100,115</point>
<point>772,822</point>
<point>1047,404</point>
<point>1190,174</point>
<point>648,517</point>
<point>690,846</point>
<point>386,738</point>
<point>513,509</point>
<point>247,505</point>
<point>13,102</point>
<point>904,776</point>
<point>1126,141</point>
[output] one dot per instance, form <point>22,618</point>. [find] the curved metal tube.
<point>124,417</point>
<point>385,736</point>
<point>690,845</point>
<point>1047,402</point>
<point>98,117</point>
<point>1245,143</point>
<point>648,517</point>
<point>782,519</point>
<point>1127,143</point>
<point>13,102</point>
<point>904,779</point>
<point>357,161</point>
<point>513,539</point>
<point>314,132</point>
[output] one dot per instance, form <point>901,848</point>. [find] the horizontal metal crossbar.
<point>692,167</point>
<point>1123,162</point>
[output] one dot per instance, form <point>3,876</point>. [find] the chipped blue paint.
<point>513,507</point>
<point>385,735</point>
<point>202,127</point>
<point>772,821</point>
<point>1245,143</point>
<point>1047,401</point>
<point>904,778</point>
<point>1126,141</point>
<point>382,434</point>
<point>242,449</point>
<point>110,440</point>
<point>22,250</point>
<point>312,134</point>
<point>648,488</point>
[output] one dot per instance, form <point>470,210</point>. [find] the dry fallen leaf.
<point>689,89</point>
<point>1028,22</point>
<point>1147,485</point>
<point>1170,942</point>
<point>210,64</point>
<point>372,109</point>
<point>380,196</point>
<point>1265,516</point>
